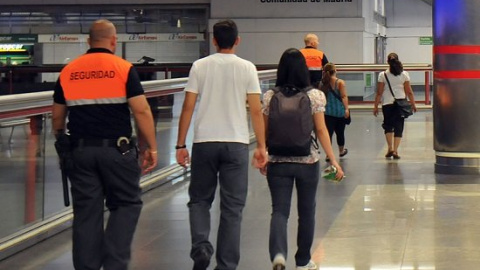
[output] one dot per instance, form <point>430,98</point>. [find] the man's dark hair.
<point>225,33</point>
<point>292,70</point>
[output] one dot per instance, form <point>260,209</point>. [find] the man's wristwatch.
<point>180,146</point>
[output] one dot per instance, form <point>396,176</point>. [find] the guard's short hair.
<point>309,38</point>
<point>101,29</point>
<point>225,33</point>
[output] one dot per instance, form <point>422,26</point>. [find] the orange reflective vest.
<point>95,78</point>
<point>313,57</point>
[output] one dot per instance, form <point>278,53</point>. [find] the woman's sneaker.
<point>279,262</point>
<point>310,266</point>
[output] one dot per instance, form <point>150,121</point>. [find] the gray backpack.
<point>290,122</point>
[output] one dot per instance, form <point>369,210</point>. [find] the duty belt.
<point>101,142</point>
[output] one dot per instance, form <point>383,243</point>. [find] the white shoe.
<point>310,266</point>
<point>278,262</point>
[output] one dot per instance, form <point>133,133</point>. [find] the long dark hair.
<point>328,71</point>
<point>292,70</point>
<point>396,67</point>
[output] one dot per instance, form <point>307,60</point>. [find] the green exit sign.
<point>426,40</point>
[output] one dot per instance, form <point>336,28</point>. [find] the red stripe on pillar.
<point>462,74</point>
<point>459,49</point>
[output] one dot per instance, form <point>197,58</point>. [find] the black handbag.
<point>348,120</point>
<point>404,107</point>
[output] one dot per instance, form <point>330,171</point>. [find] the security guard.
<point>315,58</point>
<point>96,91</point>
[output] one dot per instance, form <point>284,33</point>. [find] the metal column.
<point>456,111</point>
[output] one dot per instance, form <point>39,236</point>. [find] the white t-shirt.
<point>397,86</point>
<point>222,82</point>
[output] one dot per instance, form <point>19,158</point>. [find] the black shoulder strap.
<point>277,89</point>
<point>389,86</point>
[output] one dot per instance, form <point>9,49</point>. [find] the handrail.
<point>382,67</point>
<point>17,105</point>
<point>27,104</point>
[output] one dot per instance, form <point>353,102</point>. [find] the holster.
<point>64,151</point>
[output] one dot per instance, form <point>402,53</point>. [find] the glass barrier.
<point>30,179</point>
<point>30,183</point>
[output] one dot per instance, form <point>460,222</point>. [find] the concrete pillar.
<point>456,109</point>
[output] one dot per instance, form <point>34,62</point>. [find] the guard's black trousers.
<point>103,173</point>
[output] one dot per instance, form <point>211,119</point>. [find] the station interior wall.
<point>347,31</point>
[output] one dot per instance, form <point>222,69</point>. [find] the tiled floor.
<point>386,214</point>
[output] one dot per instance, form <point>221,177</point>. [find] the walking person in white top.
<point>393,123</point>
<point>224,83</point>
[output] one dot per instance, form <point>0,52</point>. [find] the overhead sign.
<point>62,38</point>
<point>426,40</point>
<point>81,38</point>
<point>12,48</point>
<point>18,38</point>
<point>287,9</point>
<point>160,37</point>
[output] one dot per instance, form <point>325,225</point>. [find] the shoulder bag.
<point>348,120</point>
<point>404,107</point>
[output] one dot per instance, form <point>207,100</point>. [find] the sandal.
<point>344,152</point>
<point>395,155</point>
<point>389,154</point>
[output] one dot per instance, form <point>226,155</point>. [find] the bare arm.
<point>260,154</point>
<point>143,116</point>
<point>409,92</point>
<point>257,118</point>
<point>59,116</point>
<point>378,97</point>
<point>188,107</point>
<point>144,119</point>
<point>343,94</point>
<point>324,138</point>
<point>186,116</point>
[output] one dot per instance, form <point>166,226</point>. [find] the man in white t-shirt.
<point>224,83</point>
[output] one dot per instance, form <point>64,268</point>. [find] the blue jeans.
<point>281,178</point>
<point>225,163</point>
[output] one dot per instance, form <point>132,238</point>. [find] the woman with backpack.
<point>286,170</point>
<point>398,87</point>
<point>336,112</point>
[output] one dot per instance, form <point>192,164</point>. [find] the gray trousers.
<point>227,164</point>
<point>103,173</point>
